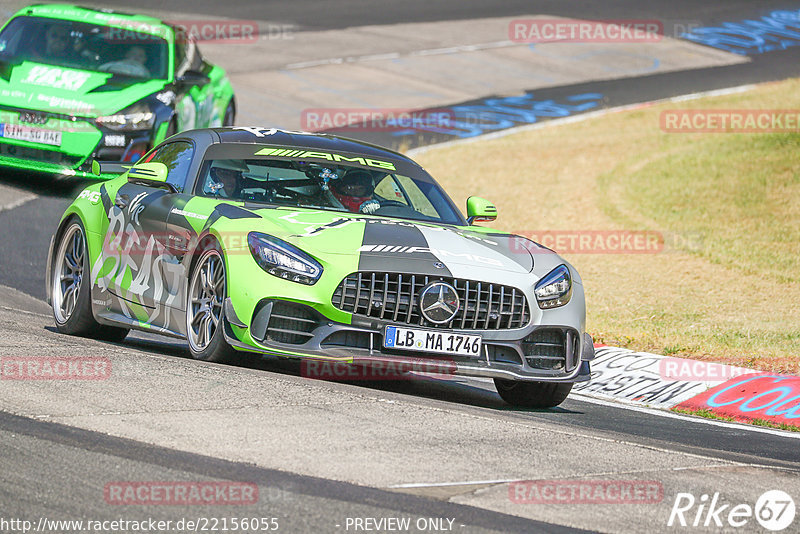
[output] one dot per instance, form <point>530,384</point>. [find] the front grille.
<point>290,323</point>
<point>110,153</point>
<point>394,297</point>
<point>550,348</point>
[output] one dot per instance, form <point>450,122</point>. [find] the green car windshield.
<point>84,46</point>
<point>326,186</point>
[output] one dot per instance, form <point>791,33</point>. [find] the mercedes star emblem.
<point>438,302</point>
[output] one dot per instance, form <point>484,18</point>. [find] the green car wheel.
<point>71,295</point>
<point>205,309</point>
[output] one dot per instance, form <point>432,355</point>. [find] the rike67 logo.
<point>774,510</point>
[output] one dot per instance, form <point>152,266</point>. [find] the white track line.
<point>17,310</point>
<point>17,203</point>
<point>673,415</point>
<point>721,464</point>
<point>396,55</point>
<point>446,484</point>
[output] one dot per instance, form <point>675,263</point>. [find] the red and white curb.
<point>759,397</point>
<point>655,381</point>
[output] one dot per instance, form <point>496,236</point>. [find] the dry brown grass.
<point>709,299</point>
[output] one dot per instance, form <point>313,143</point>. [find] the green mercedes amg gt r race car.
<point>78,84</point>
<point>261,241</point>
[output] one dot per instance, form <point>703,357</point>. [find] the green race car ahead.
<point>248,240</point>
<point>78,84</point>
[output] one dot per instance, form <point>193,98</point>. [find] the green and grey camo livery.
<point>78,84</point>
<point>273,263</point>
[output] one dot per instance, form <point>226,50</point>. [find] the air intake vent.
<point>290,323</point>
<point>550,348</point>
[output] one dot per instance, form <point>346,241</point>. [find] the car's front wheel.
<point>532,394</point>
<point>71,291</point>
<point>205,314</point>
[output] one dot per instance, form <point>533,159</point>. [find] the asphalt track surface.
<point>321,15</point>
<point>300,503</point>
<point>41,450</point>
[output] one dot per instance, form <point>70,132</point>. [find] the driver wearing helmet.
<point>225,177</point>
<point>354,190</point>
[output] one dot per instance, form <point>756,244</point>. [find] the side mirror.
<point>150,175</point>
<point>192,77</point>
<point>480,210</point>
<point>99,168</point>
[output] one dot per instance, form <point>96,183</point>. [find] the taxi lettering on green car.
<point>79,84</point>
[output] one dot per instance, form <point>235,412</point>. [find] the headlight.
<point>283,260</point>
<point>555,289</point>
<point>136,117</point>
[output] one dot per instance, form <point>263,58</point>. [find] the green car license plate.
<point>28,133</point>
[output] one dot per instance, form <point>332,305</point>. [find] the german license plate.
<point>28,133</point>
<point>398,337</point>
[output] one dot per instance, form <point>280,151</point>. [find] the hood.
<point>381,244</point>
<point>54,89</point>
<point>385,244</point>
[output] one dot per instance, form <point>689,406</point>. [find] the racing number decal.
<point>133,264</point>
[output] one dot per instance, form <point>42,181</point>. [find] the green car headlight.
<point>136,117</point>
<point>555,289</point>
<point>283,260</point>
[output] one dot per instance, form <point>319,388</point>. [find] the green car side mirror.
<point>480,210</point>
<point>99,168</point>
<point>151,174</point>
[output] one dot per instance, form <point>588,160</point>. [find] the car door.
<point>131,250</point>
<point>138,265</point>
<point>178,156</point>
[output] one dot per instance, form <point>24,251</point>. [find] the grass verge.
<point>725,285</point>
<point>708,414</point>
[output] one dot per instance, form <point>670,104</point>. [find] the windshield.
<point>84,46</point>
<point>335,187</point>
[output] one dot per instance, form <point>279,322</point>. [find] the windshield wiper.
<point>330,208</point>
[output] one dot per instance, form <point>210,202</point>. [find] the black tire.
<point>230,114</point>
<point>205,321</point>
<point>533,394</point>
<point>113,334</point>
<point>70,293</point>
